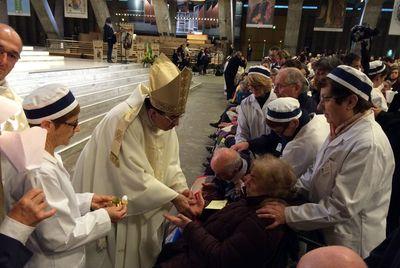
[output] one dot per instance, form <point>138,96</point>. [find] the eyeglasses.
<point>73,124</point>
<point>13,56</point>
<point>172,120</point>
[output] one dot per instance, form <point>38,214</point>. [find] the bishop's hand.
<point>181,203</point>
<point>179,220</point>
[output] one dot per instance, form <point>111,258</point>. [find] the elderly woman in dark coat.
<point>235,236</point>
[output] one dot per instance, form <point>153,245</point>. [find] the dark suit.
<point>390,123</point>
<point>110,38</point>
<point>13,254</point>
<point>230,73</point>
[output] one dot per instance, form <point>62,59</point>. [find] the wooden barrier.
<point>158,44</point>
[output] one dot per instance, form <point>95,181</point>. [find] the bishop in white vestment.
<point>134,151</point>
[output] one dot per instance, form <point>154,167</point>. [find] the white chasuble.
<point>149,174</point>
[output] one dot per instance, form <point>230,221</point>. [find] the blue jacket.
<point>13,254</point>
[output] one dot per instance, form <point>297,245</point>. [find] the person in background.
<point>230,72</point>
<point>249,52</point>
<point>352,60</point>
<point>377,73</point>
<point>109,37</point>
<point>251,122</point>
<point>394,78</point>
<point>302,134</point>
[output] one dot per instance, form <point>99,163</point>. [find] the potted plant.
<point>148,56</point>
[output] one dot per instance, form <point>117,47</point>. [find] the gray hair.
<point>232,158</point>
<point>294,76</point>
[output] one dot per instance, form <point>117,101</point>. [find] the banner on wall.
<point>127,38</point>
<point>395,21</point>
<point>331,16</point>
<point>260,13</point>
<point>76,9</point>
<point>98,50</point>
<point>18,8</point>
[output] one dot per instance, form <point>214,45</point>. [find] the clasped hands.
<point>189,205</point>
<point>116,213</point>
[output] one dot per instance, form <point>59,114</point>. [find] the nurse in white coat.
<point>303,133</point>
<point>349,187</point>
<point>251,112</point>
<point>59,241</point>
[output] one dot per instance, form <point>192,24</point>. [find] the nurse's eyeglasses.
<point>73,124</point>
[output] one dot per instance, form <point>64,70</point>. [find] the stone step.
<point>33,53</point>
<point>86,127</point>
<point>103,85</point>
<point>27,48</point>
<point>41,58</point>
<point>29,82</point>
<point>85,87</point>
<point>88,70</point>
<point>89,98</point>
<point>70,154</point>
<point>15,78</point>
<point>100,107</point>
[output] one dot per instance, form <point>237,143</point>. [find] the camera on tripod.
<point>363,32</point>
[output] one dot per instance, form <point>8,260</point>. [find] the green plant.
<point>148,55</point>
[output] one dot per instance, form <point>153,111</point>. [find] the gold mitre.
<point>169,88</point>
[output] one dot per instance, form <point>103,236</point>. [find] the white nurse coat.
<point>349,188</point>
<point>59,240</point>
<point>251,118</point>
<point>301,152</point>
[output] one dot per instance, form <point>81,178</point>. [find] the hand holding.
<point>190,196</point>
<point>100,201</point>
<point>31,208</point>
<point>181,203</point>
<point>198,207</point>
<point>275,211</point>
<point>241,146</point>
<point>116,213</point>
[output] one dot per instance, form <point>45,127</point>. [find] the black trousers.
<point>230,86</point>
<point>109,50</point>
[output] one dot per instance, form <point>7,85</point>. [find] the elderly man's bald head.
<point>10,48</point>
<point>225,163</point>
<point>331,257</point>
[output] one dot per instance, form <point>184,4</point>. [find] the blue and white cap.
<point>48,102</point>
<point>283,109</point>
<point>260,70</point>
<point>353,79</point>
<point>376,67</point>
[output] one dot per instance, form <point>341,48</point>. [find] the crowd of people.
<point>335,120</point>
<point>306,150</point>
<point>182,57</point>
